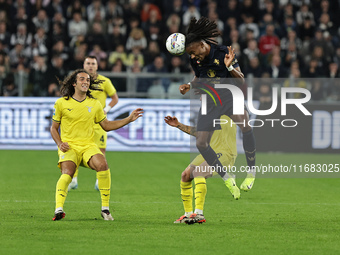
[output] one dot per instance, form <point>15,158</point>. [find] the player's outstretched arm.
<point>173,121</point>
<point>116,124</point>
<point>184,88</point>
<point>56,137</point>
<point>235,72</point>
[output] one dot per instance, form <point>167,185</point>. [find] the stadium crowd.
<point>44,39</point>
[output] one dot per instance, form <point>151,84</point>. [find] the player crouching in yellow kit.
<point>76,113</point>
<point>223,142</point>
<point>106,89</point>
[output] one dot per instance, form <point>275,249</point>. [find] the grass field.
<point>279,216</point>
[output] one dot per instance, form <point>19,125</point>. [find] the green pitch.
<point>279,216</point>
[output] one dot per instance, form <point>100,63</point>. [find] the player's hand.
<point>172,121</point>
<point>135,114</point>
<point>184,88</point>
<point>64,147</point>
<point>229,57</point>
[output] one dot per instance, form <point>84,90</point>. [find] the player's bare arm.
<point>116,124</point>
<point>173,121</point>
<point>235,72</point>
<point>114,101</point>
<point>56,137</point>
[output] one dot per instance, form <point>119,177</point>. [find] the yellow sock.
<point>76,173</point>
<point>200,192</point>
<point>186,193</point>
<point>104,185</point>
<point>61,190</point>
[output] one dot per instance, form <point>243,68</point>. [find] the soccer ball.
<point>175,44</point>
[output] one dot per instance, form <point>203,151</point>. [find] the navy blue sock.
<point>210,156</point>
<point>249,147</point>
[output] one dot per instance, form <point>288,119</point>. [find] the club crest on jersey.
<point>217,62</point>
<point>211,73</point>
<point>89,108</point>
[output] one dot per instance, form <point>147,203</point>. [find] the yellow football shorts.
<point>100,136</point>
<point>79,154</point>
<point>225,158</point>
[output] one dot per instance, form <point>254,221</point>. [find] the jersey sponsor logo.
<point>89,108</point>
<point>211,73</point>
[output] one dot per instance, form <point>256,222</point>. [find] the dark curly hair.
<point>202,29</point>
<point>67,89</point>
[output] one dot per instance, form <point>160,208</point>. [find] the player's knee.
<point>185,177</point>
<point>101,166</point>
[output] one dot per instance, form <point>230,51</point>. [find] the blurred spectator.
<point>263,93</point>
<point>254,68</point>
<point>252,51</point>
<point>41,20</point>
<point>21,17</point>
<point>119,53</point>
<point>53,90</point>
<point>17,55</point>
<point>291,55</point>
<point>56,69</point>
<point>135,54</point>
<point>276,70</point>
<point>116,38</point>
<point>147,9</point>
<point>38,76</point>
<point>295,81</point>
<point>58,34</point>
<point>95,7</point>
<point>118,21</point>
<point>77,26</point>
<point>266,20</point>
<point>269,8</point>
<point>76,6</point>
<point>9,89</point>
<point>103,65</point>
<point>291,38</point>
<point>303,14</point>
<point>152,21</point>
<point>98,52</point>
<point>4,35</point>
<point>97,36</point>
<point>248,9</point>
<point>98,20</point>
<point>132,10</point>
<point>119,82</point>
<point>306,30</point>
<point>151,52</point>
<point>287,25</point>
<point>268,41</point>
<point>113,9</point>
<point>232,10</point>
<point>55,6</point>
<point>177,67</point>
<point>80,53</point>
<point>249,25</point>
<point>21,78</point>
<point>191,12</point>
<point>173,20</point>
<point>61,50</point>
<point>173,7</point>
<point>312,69</point>
<point>333,70</point>
<point>37,5</point>
<point>136,39</point>
<point>156,67</point>
<point>21,36</point>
